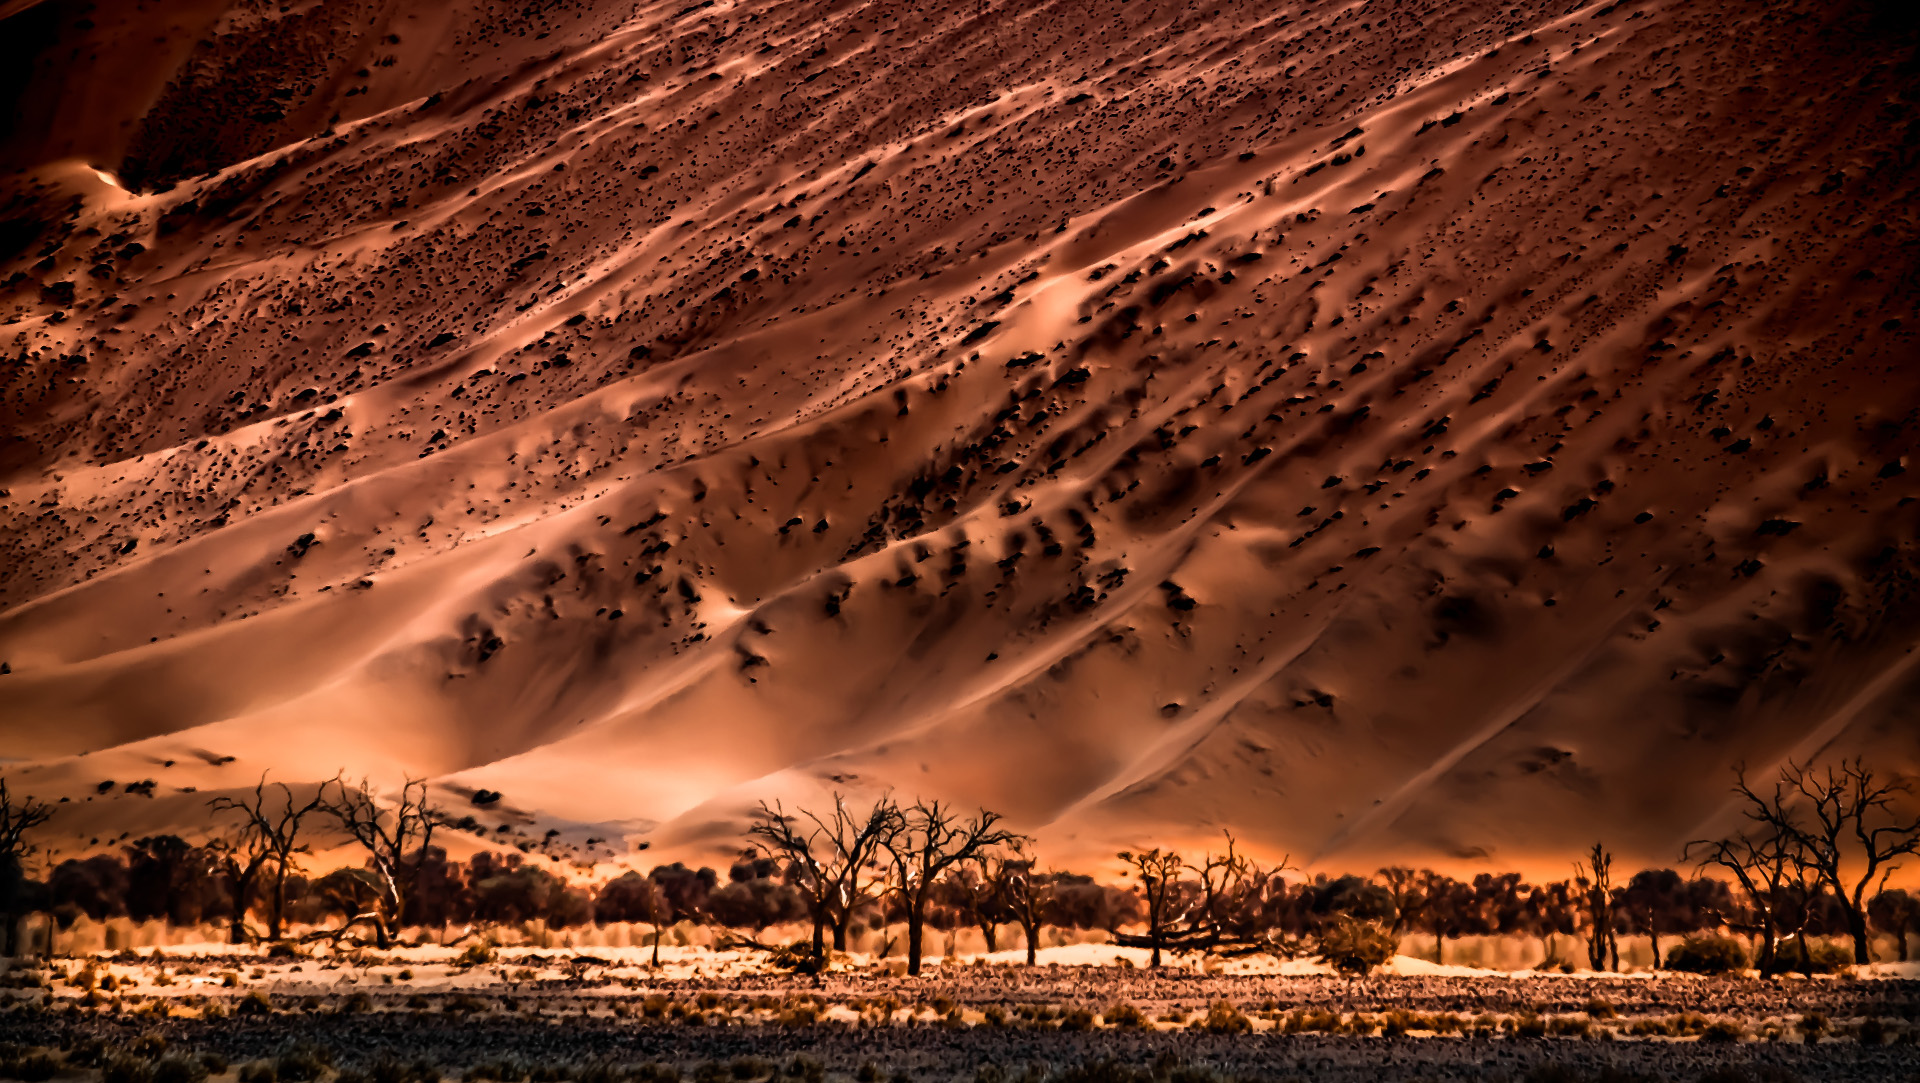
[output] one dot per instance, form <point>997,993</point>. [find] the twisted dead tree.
<point>834,861</point>
<point>1845,828</point>
<point>393,836</point>
<point>265,843</point>
<point>929,840</point>
<point>18,815</point>
<point>1026,893</point>
<point>1224,908</point>
<point>1767,866</point>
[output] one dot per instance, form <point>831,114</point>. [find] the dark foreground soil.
<point>607,1033</point>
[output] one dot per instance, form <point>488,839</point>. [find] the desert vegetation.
<point>872,866</point>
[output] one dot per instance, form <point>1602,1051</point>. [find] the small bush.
<point>476,954</point>
<point>1825,957</point>
<point>1707,955</point>
<point>806,1069</point>
<point>1570,1026</point>
<point>180,1069</point>
<point>126,1068</point>
<point>1813,1025</point>
<point>36,1067</point>
<point>259,1071</point>
<point>745,1068</point>
<point>1125,1016</point>
<point>1224,1018</point>
<point>1076,1019</point>
<point>1355,947</point>
<point>1723,1031</point>
<point>303,1062</point>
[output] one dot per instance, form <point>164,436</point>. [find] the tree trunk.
<point>819,935</point>
<point>656,945</point>
<point>991,934</point>
<point>1857,926</point>
<point>1900,939</point>
<point>840,930</point>
<point>380,938</point>
<point>1033,942</point>
<point>916,928</point>
<point>1155,960</point>
<point>1653,933</point>
<point>277,906</point>
<point>9,935</point>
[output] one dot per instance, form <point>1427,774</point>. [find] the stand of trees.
<point>1810,859</point>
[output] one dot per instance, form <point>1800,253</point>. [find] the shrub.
<point>745,1068</point>
<point>36,1067</point>
<point>303,1062</point>
<point>1825,957</point>
<point>477,954</point>
<point>807,1069</point>
<point>1224,1018</point>
<point>1355,947</point>
<point>1707,955</point>
<point>259,1071</point>
<point>125,1068</point>
<point>254,1003</point>
<point>1125,1016</point>
<point>180,1069</point>
<point>1723,1031</point>
<point>1570,1026</point>
<point>1813,1025</point>
<point>1076,1019</point>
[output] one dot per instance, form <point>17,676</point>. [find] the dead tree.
<point>1851,836</point>
<point>1764,863</point>
<point>1027,894</point>
<point>832,859</point>
<point>1223,908</point>
<point>392,837</point>
<point>930,840</point>
<point>265,844</point>
<point>1160,888</point>
<point>17,817</point>
<point>1596,885</point>
<point>980,885</point>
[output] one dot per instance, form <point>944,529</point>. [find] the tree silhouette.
<point>265,843</point>
<point>390,836</point>
<point>1850,836</point>
<point>1595,879</point>
<point>18,815</point>
<point>831,860</point>
<point>929,840</point>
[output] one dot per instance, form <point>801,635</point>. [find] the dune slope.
<point>1438,429</point>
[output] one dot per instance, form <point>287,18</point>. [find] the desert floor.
<point>403,1015</point>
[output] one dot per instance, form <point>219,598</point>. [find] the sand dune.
<point>1438,430</point>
